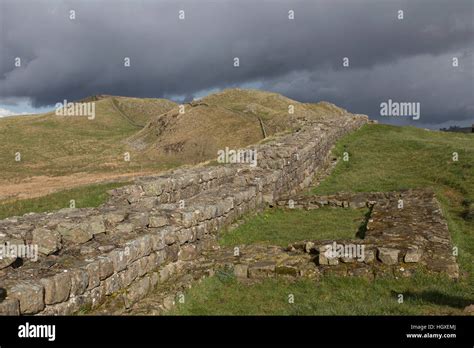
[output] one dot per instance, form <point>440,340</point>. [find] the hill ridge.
<point>151,130</point>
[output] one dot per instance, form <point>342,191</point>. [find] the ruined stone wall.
<point>149,232</point>
<point>404,230</point>
<point>404,233</point>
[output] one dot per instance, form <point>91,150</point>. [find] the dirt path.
<point>38,186</point>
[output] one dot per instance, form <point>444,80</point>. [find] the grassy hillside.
<point>381,158</point>
<point>384,158</point>
<point>153,131</point>
<point>196,135</point>
<point>141,110</point>
<point>233,118</point>
<point>61,145</point>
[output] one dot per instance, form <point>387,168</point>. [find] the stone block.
<point>287,270</point>
<point>112,284</point>
<point>79,281</point>
<point>172,253</point>
<point>154,188</point>
<point>93,271</point>
<point>114,217</point>
<point>241,270</point>
<point>413,255</point>
<point>324,258</point>
<point>119,260</point>
<point>157,221</point>
<point>10,307</point>
<point>157,240</point>
<point>123,228</point>
<point>48,241</point>
<point>106,267</point>
<point>369,256</point>
<point>137,290</point>
<point>170,237</point>
<point>97,296</point>
<point>145,245</point>
<point>56,288</point>
<point>388,256</point>
<point>30,295</point>
<point>143,266</point>
<point>150,263</point>
<point>95,224</point>
<point>138,220</point>
<point>188,219</point>
<point>187,252</point>
<point>261,269</point>
<point>160,258</point>
<point>128,275</point>
<point>131,251</point>
<point>73,233</point>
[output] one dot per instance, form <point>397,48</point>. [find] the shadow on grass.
<point>363,227</point>
<point>437,298</point>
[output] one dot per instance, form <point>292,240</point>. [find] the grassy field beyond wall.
<point>83,197</point>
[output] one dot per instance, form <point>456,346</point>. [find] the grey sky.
<point>407,60</point>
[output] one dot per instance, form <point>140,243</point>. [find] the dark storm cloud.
<point>408,59</point>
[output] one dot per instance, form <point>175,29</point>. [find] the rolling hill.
<point>63,151</point>
<point>233,118</point>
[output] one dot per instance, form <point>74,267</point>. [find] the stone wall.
<point>404,230</point>
<point>404,233</point>
<point>154,230</point>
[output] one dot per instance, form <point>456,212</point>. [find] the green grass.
<point>84,196</point>
<point>422,295</point>
<point>60,145</point>
<point>385,158</point>
<point>281,227</point>
<point>382,158</point>
<point>55,145</point>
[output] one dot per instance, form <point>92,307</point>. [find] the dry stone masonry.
<point>397,240</point>
<point>404,230</point>
<point>160,233</point>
